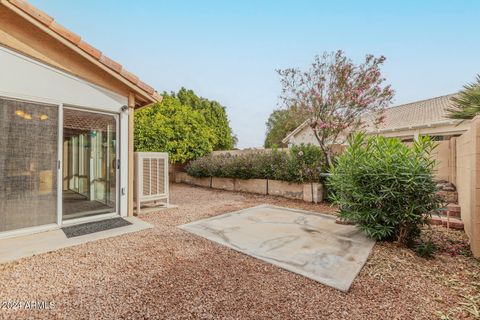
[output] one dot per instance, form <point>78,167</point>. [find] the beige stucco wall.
<point>468,182</point>
<point>465,158</point>
<point>445,166</point>
<point>305,136</point>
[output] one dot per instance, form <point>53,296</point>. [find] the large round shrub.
<point>172,127</point>
<point>385,187</point>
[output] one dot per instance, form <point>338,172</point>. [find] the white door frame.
<point>59,223</point>
<point>103,216</point>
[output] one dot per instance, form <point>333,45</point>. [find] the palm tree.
<point>467,102</point>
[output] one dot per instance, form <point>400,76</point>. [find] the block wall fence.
<point>309,192</point>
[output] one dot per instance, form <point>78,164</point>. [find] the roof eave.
<point>143,94</point>
<point>430,125</point>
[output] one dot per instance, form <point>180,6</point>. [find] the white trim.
<point>116,116</point>
<point>28,99</point>
<point>117,167</point>
<point>420,126</point>
<point>60,72</point>
<point>99,217</point>
<point>28,231</point>
<point>60,166</point>
<point>123,158</point>
<point>89,109</point>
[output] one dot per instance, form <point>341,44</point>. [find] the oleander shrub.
<point>385,187</point>
<point>302,163</point>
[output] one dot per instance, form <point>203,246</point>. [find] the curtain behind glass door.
<point>28,164</point>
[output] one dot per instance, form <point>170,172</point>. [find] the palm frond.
<point>466,105</point>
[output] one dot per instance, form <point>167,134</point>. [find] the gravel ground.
<point>165,272</point>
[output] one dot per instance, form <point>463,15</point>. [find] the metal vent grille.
<point>151,177</point>
<point>146,177</point>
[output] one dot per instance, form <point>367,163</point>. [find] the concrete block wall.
<point>308,192</point>
<point>468,182</point>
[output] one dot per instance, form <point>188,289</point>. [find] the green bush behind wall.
<point>302,163</point>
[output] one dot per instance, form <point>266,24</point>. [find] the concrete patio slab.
<point>15,248</point>
<point>307,243</point>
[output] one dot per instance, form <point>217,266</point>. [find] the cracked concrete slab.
<point>307,243</point>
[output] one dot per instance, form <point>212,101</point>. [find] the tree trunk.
<point>328,157</point>
<point>325,150</point>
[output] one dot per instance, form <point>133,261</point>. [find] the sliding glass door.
<point>28,164</point>
<point>89,163</point>
<point>47,177</point>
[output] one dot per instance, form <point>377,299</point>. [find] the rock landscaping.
<point>168,273</point>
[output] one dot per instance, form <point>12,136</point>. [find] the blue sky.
<point>229,50</point>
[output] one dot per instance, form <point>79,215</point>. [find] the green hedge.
<point>302,163</point>
<point>385,187</point>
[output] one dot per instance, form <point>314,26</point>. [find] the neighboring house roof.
<point>423,113</point>
<point>74,39</point>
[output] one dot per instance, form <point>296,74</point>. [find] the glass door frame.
<point>50,226</point>
<point>59,166</point>
<point>102,216</point>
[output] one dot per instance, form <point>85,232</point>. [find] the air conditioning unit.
<point>151,180</point>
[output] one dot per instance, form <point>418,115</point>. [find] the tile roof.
<point>75,39</point>
<point>419,113</point>
<point>415,114</point>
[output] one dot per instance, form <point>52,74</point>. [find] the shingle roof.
<point>73,38</point>
<point>419,113</point>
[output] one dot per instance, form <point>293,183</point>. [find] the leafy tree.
<point>335,94</point>
<point>173,127</point>
<point>467,103</point>
<point>215,116</point>
<point>280,123</point>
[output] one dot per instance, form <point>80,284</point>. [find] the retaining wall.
<point>309,192</point>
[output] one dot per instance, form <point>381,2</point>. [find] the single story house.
<point>406,121</point>
<point>66,125</point>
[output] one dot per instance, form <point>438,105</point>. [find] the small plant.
<point>385,187</point>
<point>426,249</point>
